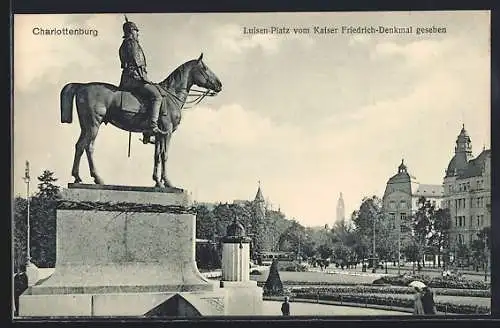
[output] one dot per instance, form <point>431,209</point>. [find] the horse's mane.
<point>176,74</point>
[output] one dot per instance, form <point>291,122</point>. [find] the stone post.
<point>244,297</point>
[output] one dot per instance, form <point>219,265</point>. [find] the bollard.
<point>341,299</point>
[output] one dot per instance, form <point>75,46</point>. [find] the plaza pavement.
<point>313,309</point>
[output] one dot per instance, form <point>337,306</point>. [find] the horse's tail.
<point>67,94</point>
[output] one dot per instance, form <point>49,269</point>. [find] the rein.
<point>200,96</point>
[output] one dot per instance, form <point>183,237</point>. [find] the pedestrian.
<point>418,308</point>
<point>285,307</point>
<point>428,304</point>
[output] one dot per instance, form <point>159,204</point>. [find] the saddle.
<point>134,102</point>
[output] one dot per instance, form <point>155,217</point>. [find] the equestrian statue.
<point>136,105</point>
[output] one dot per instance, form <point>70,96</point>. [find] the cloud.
<point>359,39</point>
<point>233,126</point>
<point>50,56</point>
<point>344,120</point>
<point>231,37</point>
<point>415,53</point>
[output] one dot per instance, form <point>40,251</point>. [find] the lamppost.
<point>486,258</point>
<point>374,270</point>
<point>26,179</point>
<point>399,247</point>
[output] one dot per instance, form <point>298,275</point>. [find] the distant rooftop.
<point>429,190</point>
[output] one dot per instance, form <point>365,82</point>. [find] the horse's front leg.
<point>157,157</point>
<point>164,157</point>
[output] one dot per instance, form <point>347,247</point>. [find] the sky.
<point>307,115</point>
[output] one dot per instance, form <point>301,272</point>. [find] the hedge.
<point>295,267</point>
<point>435,282</point>
<point>389,290</point>
<point>317,283</point>
<point>388,300</point>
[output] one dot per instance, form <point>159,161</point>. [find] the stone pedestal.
<point>235,261</point>
<point>244,297</point>
<point>124,251</point>
<point>32,273</point>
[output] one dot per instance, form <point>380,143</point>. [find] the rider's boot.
<point>155,113</point>
<point>146,138</point>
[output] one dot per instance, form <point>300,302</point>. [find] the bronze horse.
<point>98,103</point>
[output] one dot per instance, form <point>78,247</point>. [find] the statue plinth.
<point>124,251</point>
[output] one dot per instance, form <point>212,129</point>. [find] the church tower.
<point>463,154</point>
<point>259,204</point>
<point>340,210</point>
<point>258,223</point>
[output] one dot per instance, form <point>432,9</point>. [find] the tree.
<point>480,246</point>
<point>325,251</point>
<point>422,227</point>
<point>42,224</point>
<point>205,223</point>
<point>463,254</point>
<point>273,285</point>
<point>43,220</point>
<point>46,188</point>
<point>440,239</point>
<point>19,235</point>
<point>368,226</point>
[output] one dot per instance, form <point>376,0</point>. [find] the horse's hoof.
<point>78,180</point>
<point>167,183</point>
<point>98,181</point>
<point>159,185</point>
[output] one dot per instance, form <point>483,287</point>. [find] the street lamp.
<point>486,258</point>
<point>26,179</point>
<point>399,247</point>
<point>374,270</point>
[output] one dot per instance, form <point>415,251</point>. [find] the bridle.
<point>200,94</point>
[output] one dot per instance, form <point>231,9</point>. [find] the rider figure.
<point>134,74</point>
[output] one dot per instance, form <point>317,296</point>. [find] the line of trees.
<point>42,224</point>
<point>425,232</point>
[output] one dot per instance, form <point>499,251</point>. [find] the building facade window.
<point>402,204</point>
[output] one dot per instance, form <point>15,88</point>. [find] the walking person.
<point>428,304</point>
<point>418,308</point>
<point>285,307</point>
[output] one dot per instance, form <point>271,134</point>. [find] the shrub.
<point>273,285</point>
<point>391,300</point>
<point>389,290</point>
<point>295,267</point>
<point>435,282</point>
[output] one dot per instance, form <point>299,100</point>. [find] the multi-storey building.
<point>402,194</point>
<point>467,192</point>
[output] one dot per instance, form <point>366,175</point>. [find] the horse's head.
<point>203,77</point>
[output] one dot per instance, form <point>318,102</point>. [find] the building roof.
<point>429,190</point>
<point>259,196</point>
<point>457,164</point>
<point>475,166</point>
<point>402,175</point>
